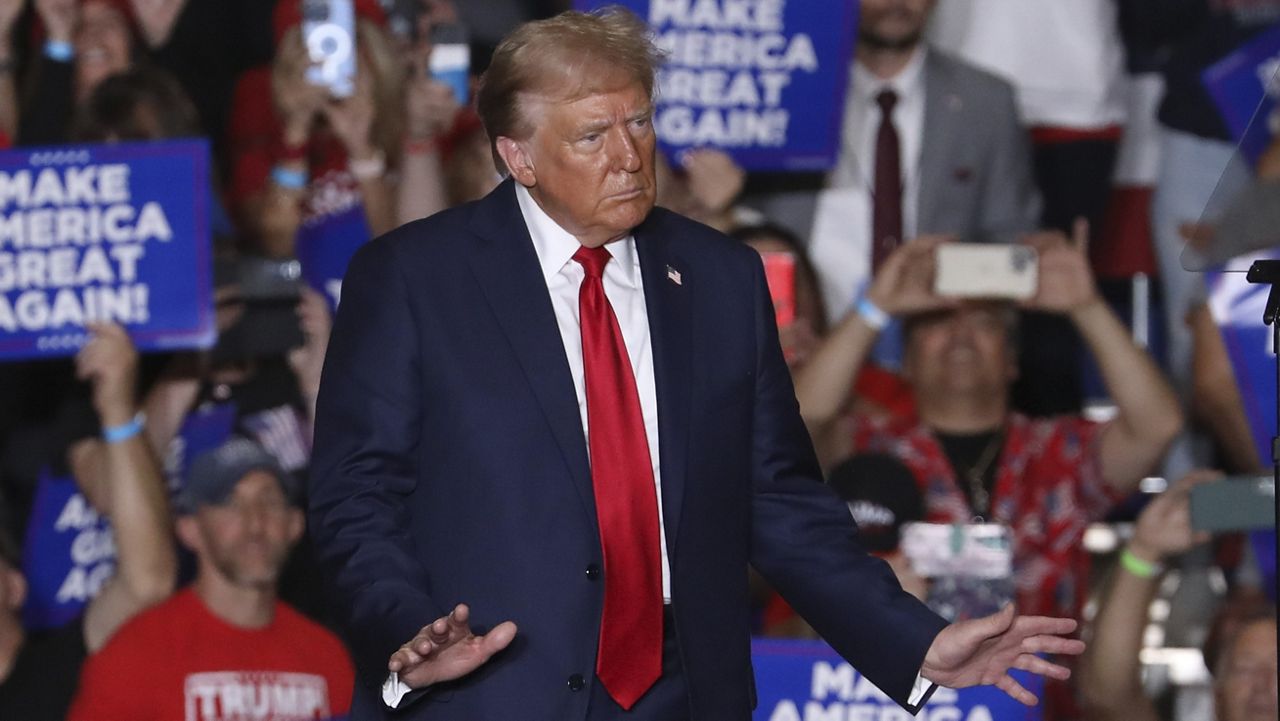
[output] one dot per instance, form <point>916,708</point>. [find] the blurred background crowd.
<point>1044,430</point>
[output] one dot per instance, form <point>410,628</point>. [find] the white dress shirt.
<point>840,245</point>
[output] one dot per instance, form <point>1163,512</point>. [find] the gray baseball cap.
<point>213,475</point>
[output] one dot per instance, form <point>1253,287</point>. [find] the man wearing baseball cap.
<point>225,646</point>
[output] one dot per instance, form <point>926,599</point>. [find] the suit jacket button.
<point>593,572</point>
<point>576,682</point>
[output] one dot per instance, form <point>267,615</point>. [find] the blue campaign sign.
<point>325,246</point>
<point>1237,306</point>
<point>1244,86</point>
<point>763,80</point>
<point>68,553</point>
<point>105,232</point>
<point>806,680</point>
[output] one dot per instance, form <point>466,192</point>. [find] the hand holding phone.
<point>296,100</point>
<point>430,108</point>
<point>904,283</point>
<point>1164,527</point>
<point>1066,280</point>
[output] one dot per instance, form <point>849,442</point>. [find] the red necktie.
<point>629,659</point>
<point>886,220</point>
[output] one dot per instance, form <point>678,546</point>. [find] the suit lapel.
<point>667,284</point>
<point>506,266</point>
<point>940,123</point>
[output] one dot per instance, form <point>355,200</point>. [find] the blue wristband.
<point>122,433</point>
<point>59,50</point>
<point>871,313</point>
<point>289,179</point>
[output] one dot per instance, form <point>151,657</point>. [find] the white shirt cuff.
<point>921,687</point>
<point>393,692</point>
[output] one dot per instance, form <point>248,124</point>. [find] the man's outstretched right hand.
<point>446,649</point>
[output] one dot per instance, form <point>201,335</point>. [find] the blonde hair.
<point>569,56</point>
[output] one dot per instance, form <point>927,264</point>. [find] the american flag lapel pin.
<point>673,275</point>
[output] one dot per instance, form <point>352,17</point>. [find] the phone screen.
<point>329,31</point>
<point>780,274</point>
<point>450,61</point>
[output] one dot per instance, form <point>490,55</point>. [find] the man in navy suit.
<point>569,410</point>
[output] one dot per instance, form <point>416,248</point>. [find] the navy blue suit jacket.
<point>450,466</point>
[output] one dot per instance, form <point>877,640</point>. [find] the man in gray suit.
<point>930,145</point>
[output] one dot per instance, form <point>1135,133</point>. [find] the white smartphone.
<point>986,270</point>
<point>329,30</point>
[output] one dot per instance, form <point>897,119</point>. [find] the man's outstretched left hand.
<point>981,651</point>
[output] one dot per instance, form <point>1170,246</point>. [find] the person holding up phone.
<point>432,105</point>
<point>972,455</point>
<point>1240,652</point>
<point>319,149</point>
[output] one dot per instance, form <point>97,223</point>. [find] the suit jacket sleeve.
<point>804,540</point>
<point>365,463</point>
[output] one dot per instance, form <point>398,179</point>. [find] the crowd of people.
<point>1077,129</point>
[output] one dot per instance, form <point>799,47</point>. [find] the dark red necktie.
<point>629,659</point>
<point>886,220</point>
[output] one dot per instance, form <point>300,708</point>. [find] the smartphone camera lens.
<point>1021,257</point>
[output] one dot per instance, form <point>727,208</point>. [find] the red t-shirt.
<point>179,661</point>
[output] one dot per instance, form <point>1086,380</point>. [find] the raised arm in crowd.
<point>1240,652</point>
<point>308,155</point>
<point>119,476</point>
<point>122,480</point>
<point>313,132</point>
